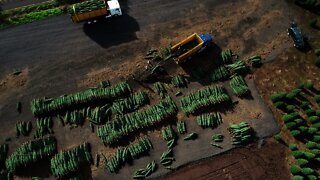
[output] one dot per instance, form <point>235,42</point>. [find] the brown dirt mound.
<point>13,81</point>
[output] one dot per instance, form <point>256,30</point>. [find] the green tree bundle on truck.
<point>92,9</point>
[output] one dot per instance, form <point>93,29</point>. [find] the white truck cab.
<point>113,8</point>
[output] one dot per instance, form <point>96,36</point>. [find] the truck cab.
<point>114,8</point>
<point>207,41</point>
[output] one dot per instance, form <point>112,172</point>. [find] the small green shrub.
<point>291,125</point>
<point>299,121</point>
<point>312,177</point>
<point>309,85</point>
<point>295,115</point>
<point>303,129</point>
<point>317,98</point>
<point>295,133</point>
<point>278,137</point>
<point>290,108</point>
<point>297,154</point>
<point>304,105</point>
<point>280,105</point>
<point>310,145</point>
<point>287,118</point>
<point>307,171</point>
<point>309,155</point>
<point>317,125</point>
<point>310,112</point>
<point>317,51</point>
<point>302,162</point>
<point>315,151</point>
<point>295,169</point>
<point>312,130</point>
<point>314,119</point>
<point>301,86</point>
<point>298,177</point>
<point>296,91</point>
<point>293,147</point>
<point>290,117</point>
<point>318,112</point>
<point>278,97</point>
<point>290,96</point>
<point>316,138</point>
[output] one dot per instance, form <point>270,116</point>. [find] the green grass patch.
<point>30,8</point>
<point>31,17</point>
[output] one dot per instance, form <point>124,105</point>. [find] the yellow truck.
<point>92,9</point>
<point>193,44</point>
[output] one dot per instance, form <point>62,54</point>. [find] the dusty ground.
<point>252,162</point>
<point>12,81</point>
<point>62,57</point>
<point>289,67</point>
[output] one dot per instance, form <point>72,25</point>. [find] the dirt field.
<point>253,162</point>
<point>59,57</point>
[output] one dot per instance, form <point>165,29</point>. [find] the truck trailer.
<point>193,44</point>
<point>92,9</point>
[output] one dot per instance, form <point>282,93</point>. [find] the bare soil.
<point>267,161</point>
<point>14,81</point>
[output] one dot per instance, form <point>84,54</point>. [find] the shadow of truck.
<point>112,31</point>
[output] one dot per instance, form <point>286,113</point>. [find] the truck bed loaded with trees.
<point>92,9</point>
